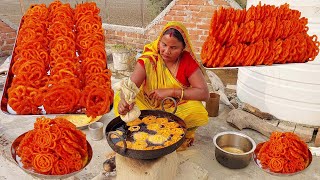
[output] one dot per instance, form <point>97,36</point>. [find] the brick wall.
<point>194,14</point>
<point>7,39</point>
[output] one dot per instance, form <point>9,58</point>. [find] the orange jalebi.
<point>283,153</point>
<point>53,147</point>
<point>59,57</point>
<point>264,35</point>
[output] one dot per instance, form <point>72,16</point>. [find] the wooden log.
<point>255,111</point>
<point>241,119</point>
<point>158,169</point>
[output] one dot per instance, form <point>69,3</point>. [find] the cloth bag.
<point>130,91</point>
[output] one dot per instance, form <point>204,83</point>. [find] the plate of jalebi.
<point>263,35</point>
<point>283,155</point>
<point>59,63</point>
<point>54,149</point>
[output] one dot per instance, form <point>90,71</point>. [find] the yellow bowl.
<point>81,121</point>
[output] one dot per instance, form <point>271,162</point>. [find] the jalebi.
<point>283,153</point>
<point>53,147</point>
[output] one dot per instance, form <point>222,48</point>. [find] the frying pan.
<point>144,154</point>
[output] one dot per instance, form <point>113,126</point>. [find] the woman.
<point>168,67</point>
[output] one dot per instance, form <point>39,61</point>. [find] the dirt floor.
<point>227,76</point>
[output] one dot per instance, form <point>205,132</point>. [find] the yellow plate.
<point>80,120</point>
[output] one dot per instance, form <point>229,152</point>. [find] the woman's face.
<point>170,48</point>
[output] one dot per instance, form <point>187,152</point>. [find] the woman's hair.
<point>175,33</point>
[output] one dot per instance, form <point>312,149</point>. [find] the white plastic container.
<point>290,92</point>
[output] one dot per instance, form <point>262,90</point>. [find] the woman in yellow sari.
<point>168,68</point>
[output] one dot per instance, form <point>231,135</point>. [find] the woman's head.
<point>171,45</point>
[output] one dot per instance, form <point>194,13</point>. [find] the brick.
<point>221,2</point>
<point>305,133</point>
<point>178,18</point>
<point>117,38</point>
<point>198,2</point>
<point>140,36</point>
<point>11,35</point>
<point>120,33</point>
<point>205,14</point>
<point>203,37</point>
<point>1,42</point>
<point>178,7</point>
<point>194,37</point>
<point>195,32</point>
<point>196,8</point>
<point>10,41</point>
<point>189,25</point>
<point>205,20</point>
<point>317,140</point>
<point>3,36</point>
<point>173,13</point>
<point>168,18</point>
<point>208,8</point>
<point>197,43</point>
<point>6,53</point>
<point>7,29</point>
<point>203,26</point>
<point>287,126</point>
<point>7,47</point>
<point>132,35</point>
<point>182,2</point>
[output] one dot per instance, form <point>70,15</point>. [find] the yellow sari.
<point>158,76</point>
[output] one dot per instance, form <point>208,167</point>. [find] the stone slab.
<point>287,126</point>
<point>305,133</point>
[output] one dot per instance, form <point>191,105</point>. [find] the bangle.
<point>181,97</point>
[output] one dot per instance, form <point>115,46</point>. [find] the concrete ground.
<point>201,154</point>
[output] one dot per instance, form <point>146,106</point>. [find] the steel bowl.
<point>239,141</point>
<point>17,160</point>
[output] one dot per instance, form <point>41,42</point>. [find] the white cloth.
<point>130,91</point>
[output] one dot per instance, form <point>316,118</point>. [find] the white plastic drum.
<point>289,92</point>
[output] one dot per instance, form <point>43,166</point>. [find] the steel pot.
<point>238,141</point>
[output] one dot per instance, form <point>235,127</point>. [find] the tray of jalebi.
<point>54,149</point>
<point>283,155</point>
<point>58,64</point>
<point>263,35</point>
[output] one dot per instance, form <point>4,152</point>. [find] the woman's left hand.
<point>160,94</point>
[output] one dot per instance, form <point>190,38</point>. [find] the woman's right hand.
<point>123,106</point>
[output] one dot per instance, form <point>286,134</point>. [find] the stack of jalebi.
<point>30,63</point>
<point>97,93</point>
<point>53,147</point>
<point>63,94</point>
<point>263,35</point>
<point>60,62</point>
<point>283,153</point>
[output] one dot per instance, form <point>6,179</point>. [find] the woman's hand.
<point>160,94</point>
<point>123,106</point>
